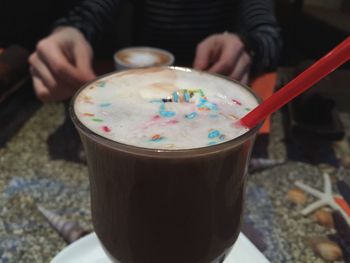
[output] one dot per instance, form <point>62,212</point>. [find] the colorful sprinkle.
<point>237,102</point>
<point>104,113</point>
<point>87,99</point>
<point>211,106</point>
<point>106,129</point>
<point>175,96</point>
<point>230,116</point>
<point>200,105</point>
<point>156,101</point>
<point>89,114</point>
<point>203,109</point>
<point>156,138</point>
<point>191,116</point>
<point>97,120</point>
<point>204,104</point>
<point>222,137</point>
<point>214,133</point>
<point>173,121</point>
<point>156,118</point>
<point>234,117</point>
<point>247,109</point>
<point>168,99</point>
<point>164,113</point>
<point>186,96</point>
<point>212,143</point>
<point>167,114</point>
<point>101,84</point>
<point>105,105</point>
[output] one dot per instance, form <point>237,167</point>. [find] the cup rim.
<point>163,153</point>
<point>120,62</point>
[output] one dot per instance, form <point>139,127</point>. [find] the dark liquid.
<point>156,209</point>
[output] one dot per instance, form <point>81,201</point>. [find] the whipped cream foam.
<point>164,108</point>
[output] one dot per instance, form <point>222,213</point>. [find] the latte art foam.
<point>164,108</point>
<point>138,57</point>
<point>142,59</point>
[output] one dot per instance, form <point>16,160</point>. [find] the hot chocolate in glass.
<point>167,160</point>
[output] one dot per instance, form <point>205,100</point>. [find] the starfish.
<point>325,198</point>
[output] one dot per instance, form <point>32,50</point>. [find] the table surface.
<point>40,165</point>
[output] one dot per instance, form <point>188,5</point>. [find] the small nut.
<point>297,196</point>
<point>323,218</point>
<point>328,250</point>
<point>326,168</point>
<point>345,161</point>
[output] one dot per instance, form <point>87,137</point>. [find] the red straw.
<point>321,68</point>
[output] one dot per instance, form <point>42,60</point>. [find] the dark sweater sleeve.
<point>261,33</point>
<point>92,18</point>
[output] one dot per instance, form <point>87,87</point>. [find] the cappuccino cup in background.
<point>167,162</point>
<point>142,57</point>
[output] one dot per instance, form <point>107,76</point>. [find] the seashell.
<point>345,161</point>
<point>325,248</point>
<point>324,218</point>
<point>258,164</point>
<point>326,168</point>
<point>342,150</point>
<point>297,196</point>
<point>68,230</point>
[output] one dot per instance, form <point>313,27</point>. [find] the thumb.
<point>83,61</point>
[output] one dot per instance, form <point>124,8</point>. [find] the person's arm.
<point>253,48</point>
<point>224,54</point>
<point>260,32</point>
<point>61,64</point>
<point>62,61</point>
<point>92,18</point>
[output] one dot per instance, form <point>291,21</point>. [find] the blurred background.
<point>310,28</point>
<point>42,161</point>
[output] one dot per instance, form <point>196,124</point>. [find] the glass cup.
<point>152,206</point>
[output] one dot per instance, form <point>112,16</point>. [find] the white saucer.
<point>89,250</point>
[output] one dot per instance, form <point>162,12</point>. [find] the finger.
<point>226,61</point>
<point>204,52</point>
<point>40,69</point>
<point>83,61</point>
<point>245,72</point>
<point>58,64</point>
<point>242,66</point>
<point>56,88</point>
<point>41,91</point>
<point>245,79</point>
<point>46,94</point>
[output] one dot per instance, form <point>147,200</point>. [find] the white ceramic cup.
<point>142,57</point>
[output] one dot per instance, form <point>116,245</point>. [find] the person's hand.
<point>223,54</point>
<point>61,64</point>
